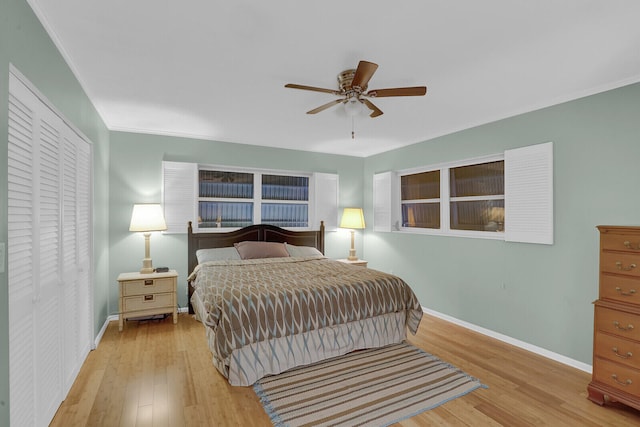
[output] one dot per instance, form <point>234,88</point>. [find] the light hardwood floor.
<point>160,374</point>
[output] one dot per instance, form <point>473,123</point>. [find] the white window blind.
<point>325,190</point>
<point>179,195</point>
<point>382,201</point>
<point>529,194</point>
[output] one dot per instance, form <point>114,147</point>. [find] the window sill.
<point>489,235</point>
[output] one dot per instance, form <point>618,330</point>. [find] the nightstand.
<point>147,295</point>
<point>358,262</point>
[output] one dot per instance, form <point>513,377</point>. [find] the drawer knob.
<point>624,356</point>
<point>621,267</point>
<point>149,297</point>
<point>627,244</point>
<point>626,294</point>
<point>629,327</point>
<point>624,383</point>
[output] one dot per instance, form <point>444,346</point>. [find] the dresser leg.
<point>120,323</point>
<point>175,316</point>
<point>596,396</point>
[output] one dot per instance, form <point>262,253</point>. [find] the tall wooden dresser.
<point>616,337</point>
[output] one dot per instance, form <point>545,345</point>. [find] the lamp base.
<point>147,266</point>
<point>352,252</point>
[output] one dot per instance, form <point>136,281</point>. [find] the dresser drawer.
<point>617,349</point>
<point>620,242</point>
<point>618,323</point>
<point>620,288</point>
<point>147,286</point>
<point>621,377</point>
<point>147,301</point>
<point>627,264</point>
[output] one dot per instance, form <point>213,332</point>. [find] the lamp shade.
<point>147,217</point>
<point>352,218</point>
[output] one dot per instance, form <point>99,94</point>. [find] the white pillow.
<point>217,254</point>
<point>303,251</point>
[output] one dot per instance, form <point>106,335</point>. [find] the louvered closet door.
<point>40,278</point>
<point>75,253</point>
<point>84,328</point>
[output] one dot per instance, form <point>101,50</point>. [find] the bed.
<point>267,312</point>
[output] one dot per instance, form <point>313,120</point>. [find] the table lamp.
<point>352,218</point>
<point>146,218</point>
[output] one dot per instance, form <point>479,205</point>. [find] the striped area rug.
<point>375,387</point>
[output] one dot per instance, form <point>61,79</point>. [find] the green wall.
<point>25,44</point>
<point>136,177</point>
<point>535,293</point>
<point>538,294</point>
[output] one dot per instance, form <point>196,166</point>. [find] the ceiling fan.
<point>353,90</point>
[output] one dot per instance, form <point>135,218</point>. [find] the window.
<point>470,196</point>
<point>420,199</point>
<point>507,197</point>
<point>227,199</point>
<point>285,200</point>
<point>476,198</point>
<point>218,197</point>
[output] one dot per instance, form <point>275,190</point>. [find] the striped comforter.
<point>250,301</point>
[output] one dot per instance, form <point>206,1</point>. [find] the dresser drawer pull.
<point>148,282</point>
<point>149,297</point>
<point>620,267</point>
<point>622,328</point>
<point>625,383</point>
<point>631,292</point>
<point>627,244</point>
<point>624,356</point>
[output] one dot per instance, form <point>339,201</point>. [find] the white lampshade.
<point>147,217</point>
<point>352,218</point>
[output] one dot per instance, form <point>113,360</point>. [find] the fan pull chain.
<point>353,132</point>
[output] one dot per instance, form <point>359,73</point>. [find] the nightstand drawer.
<point>147,286</point>
<point>146,302</point>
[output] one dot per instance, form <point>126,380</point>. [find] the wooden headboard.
<point>259,232</point>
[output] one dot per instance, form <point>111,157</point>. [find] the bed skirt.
<point>248,364</point>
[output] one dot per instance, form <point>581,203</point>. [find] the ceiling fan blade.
<point>375,111</point>
<point>399,91</point>
<point>315,89</point>
<point>325,106</point>
<point>363,74</point>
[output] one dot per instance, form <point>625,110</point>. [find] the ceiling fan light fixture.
<point>353,106</point>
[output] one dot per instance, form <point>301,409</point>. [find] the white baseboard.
<point>509,340</point>
<point>504,338</point>
<point>114,317</point>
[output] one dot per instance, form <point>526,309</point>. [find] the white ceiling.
<point>217,69</point>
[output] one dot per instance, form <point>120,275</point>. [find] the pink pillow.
<point>253,250</point>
